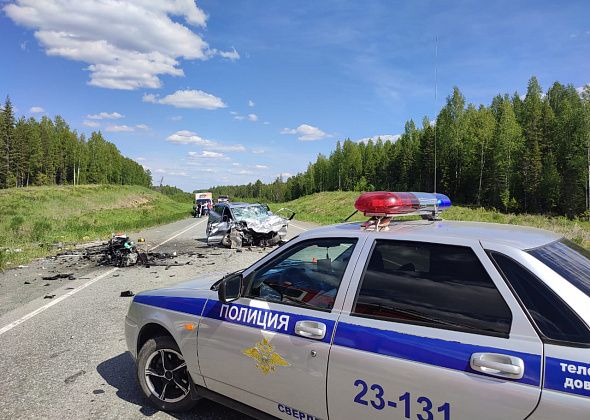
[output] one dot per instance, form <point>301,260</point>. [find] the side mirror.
<point>292,216</point>
<point>230,288</point>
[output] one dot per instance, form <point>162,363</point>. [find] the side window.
<point>226,214</point>
<point>435,285</point>
<point>553,318</point>
<point>307,274</point>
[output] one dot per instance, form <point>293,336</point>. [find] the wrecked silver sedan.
<point>235,224</point>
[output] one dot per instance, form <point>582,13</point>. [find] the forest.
<point>48,152</point>
<point>520,154</point>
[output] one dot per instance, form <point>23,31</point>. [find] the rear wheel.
<point>163,375</point>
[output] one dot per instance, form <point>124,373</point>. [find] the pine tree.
<point>7,177</point>
<point>533,132</point>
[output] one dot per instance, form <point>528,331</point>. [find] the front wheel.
<point>163,375</point>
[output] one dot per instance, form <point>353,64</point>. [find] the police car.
<point>415,319</point>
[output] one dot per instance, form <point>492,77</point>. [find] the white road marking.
<point>54,302</point>
<point>297,227</point>
<point>180,233</point>
<point>81,287</point>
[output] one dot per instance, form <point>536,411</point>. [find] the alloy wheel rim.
<point>166,376</point>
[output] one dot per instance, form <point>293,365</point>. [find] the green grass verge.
<point>333,207</point>
<point>33,219</point>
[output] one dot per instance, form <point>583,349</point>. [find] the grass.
<point>334,207</point>
<point>33,219</point>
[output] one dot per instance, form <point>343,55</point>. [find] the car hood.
<point>272,223</point>
<point>198,284</point>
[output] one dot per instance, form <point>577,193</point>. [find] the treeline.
<point>48,152</point>
<point>175,193</point>
<point>528,154</point>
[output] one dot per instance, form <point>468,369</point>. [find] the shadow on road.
<point>119,372</point>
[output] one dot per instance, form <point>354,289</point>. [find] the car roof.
<point>520,237</point>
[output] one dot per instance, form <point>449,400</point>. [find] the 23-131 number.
<point>378,402</point>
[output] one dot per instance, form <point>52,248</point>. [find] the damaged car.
<point>236,224</point>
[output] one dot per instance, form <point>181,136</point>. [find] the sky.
<point>213,92</point>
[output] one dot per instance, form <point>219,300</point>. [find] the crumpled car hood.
<point>271,224</point>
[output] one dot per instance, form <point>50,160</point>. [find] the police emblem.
<point>264,355</point>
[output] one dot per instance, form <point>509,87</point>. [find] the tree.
<point>7,177</point>
<point>533,132</point>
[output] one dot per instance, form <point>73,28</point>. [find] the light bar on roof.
<point>388,204</point>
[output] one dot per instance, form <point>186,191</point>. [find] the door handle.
<point>500,365</point>
<point>311,329</point>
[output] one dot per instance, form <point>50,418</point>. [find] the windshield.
<point>567,259</point>
<point>251,212</point>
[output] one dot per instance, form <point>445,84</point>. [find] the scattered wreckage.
<point>121,251</point>
<point>234,225</point>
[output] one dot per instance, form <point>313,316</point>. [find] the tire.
<point>226,241</point>
<point>168,387</point>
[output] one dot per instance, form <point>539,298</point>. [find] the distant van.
<point>222,199</point>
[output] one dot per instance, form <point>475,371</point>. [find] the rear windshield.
<point>569,260</point>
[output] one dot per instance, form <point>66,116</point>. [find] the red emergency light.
<point>387,204</point>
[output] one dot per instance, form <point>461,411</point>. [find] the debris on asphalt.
<point>72,378</point>
<point>48,296</point>
<point>27,282</point>
<point>69,276</point>
<point>127,293</point>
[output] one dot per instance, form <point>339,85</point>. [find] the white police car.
<point>422,319</point>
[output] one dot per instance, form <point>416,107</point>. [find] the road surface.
<point>65,357</point>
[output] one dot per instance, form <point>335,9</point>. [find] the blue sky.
<point>227,92</point>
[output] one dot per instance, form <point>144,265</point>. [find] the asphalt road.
<point>65,357</point>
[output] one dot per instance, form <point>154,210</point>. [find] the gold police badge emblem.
<point>265,356</point>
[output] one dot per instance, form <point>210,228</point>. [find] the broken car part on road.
<point>121,251</point>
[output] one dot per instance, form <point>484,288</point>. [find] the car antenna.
<point>346,220</point>
<point>435,212</point>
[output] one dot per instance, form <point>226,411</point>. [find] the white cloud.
<point>171,172</point>
<point>252,117</point>
<point>176,118</point>
<point>140,159</point>
<point>187,99</point>
<point>127,45</point>
<point>92,124</point>
<point>266,123</point>
<point>228,147</point>
<point>258,151</point>
<point>119,128</point>
<point>261,167</point>
<point>230,55</point>
<point>189,137</point>
<point>105,116</point>
<point>251,103</point>
<point>207,154</point>
<point>142,127</point>
<point>385,137</point>
<point>36,110</point>
<point>239,117</point>
<point>306,132</point>
<point>284,175</point>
